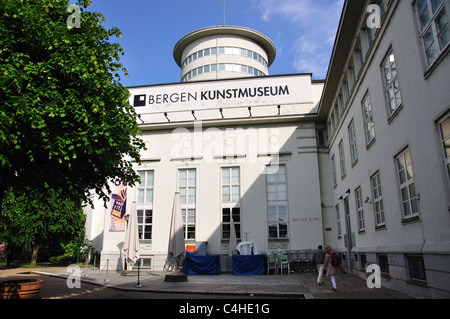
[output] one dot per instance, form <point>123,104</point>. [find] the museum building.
<point>359,161</point>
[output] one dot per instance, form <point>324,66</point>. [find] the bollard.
<point>107,264</point>
<point>86,267</point>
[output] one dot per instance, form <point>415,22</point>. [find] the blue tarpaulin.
<point>249,265</point>
<point>201,265</point>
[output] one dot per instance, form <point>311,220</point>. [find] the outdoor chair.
<point>283,262</point>
<point>271,263</point>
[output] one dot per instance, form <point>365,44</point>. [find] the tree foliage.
<point>40,217</point>
<point>65,119</point>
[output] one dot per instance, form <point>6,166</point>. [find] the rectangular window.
<point>383,262</point>
<point>188,222</point>
<point>444,128</point>
<point>227,214</point>
<point>391,84</point>
<point>416,268</point>
<point>342,159</point>
<point>369,128</point>
<point>360,210</point>
<point>433,17</point>
<point>187,181</point>
<point>230,184</point>
<point>187,184</point>
<point>378,200</point>
<point>407,188</point>
<point>231,210</point>
<point>145,187</point>
<point>352,142</point>
<point>145,223</point>
<point>277,209</point>
<point>338,221</point>
<point>363,261</point>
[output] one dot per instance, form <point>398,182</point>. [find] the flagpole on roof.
<point>223,12</point>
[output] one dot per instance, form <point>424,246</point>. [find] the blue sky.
<point>303,32</point>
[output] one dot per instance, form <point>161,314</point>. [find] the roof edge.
<point>258,37</point>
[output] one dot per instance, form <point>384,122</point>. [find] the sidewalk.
<point>295,285</point>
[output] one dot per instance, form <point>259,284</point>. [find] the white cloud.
<point>314,25</point>
<point>302,11</point>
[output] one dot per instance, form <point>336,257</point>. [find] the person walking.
<point>332,270</point>
<point>318,260</point>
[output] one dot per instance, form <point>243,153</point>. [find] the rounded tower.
<point>223,52</point>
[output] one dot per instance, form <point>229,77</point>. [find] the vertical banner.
<point>118,207</point>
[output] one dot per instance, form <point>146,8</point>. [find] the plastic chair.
<point>283,262</point>
<point>271,263</point>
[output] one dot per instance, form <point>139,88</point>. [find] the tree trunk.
<point>34,255</point>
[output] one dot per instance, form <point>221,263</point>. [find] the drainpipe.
<point>349,235</point>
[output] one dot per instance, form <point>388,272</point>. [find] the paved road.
<point>56,288</point>
<point>293,286</point>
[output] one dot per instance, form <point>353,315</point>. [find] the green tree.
<point>65,119</point>
<point>38,217</point>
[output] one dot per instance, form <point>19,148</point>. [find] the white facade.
<point>244,142</point>
<point>355,166</point>
<point>398,221</point>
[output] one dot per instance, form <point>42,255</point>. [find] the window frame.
<point>232,204</point>
<point>188,206</point>
<point>360,210</point>
<point>226,220</point>
<point>416,272</point>
<point>391,83</point>
<point>143,223</point>
<point>443,141</point>
<point>230,184</point>
<point>377,198</point>
<point>352,143</point>
<point>405,179</point>
<point>367,114</point>
<point>279,202</point>
<point>342,159</point>
<point>423,31</point>
<point>144,187</point>
<point>338,221</point>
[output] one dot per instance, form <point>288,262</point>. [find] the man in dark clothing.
<point>318,259</point>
